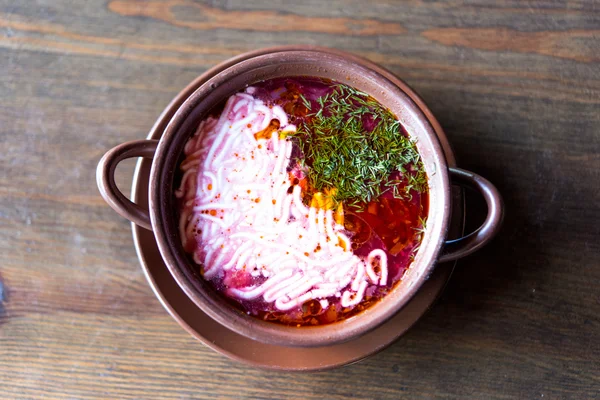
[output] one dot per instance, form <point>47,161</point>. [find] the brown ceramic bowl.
<point>162,216</point>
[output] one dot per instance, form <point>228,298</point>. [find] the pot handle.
<point>105,179</point>
<point>458,248</point>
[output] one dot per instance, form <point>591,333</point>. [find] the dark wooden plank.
<point>516,86</point>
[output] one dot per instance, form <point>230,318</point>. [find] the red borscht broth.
<point>303,201</point>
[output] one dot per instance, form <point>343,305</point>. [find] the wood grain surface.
<point>516,84</point>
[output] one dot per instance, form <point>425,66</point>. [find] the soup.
<point>302,201</point>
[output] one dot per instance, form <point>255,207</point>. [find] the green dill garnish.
<point>421,227</point>
<point>419,233</point>
<point>305,102</point>
<point>354,161</point>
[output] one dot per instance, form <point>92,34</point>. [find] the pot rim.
<point>249,326</point>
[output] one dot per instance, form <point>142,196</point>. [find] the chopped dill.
<point>354,145</point>
<point>419,231</point>
<point>305,102</point>
<point>422,223</point>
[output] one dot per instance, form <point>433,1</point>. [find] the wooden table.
<point>516,84</point>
